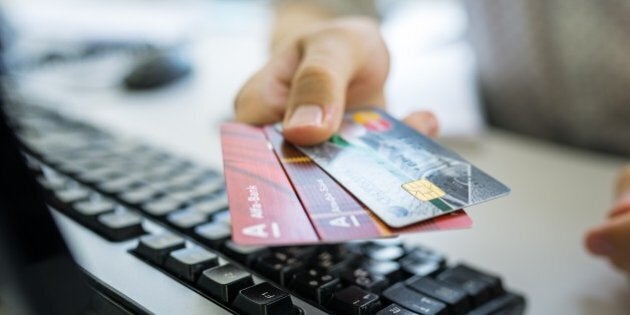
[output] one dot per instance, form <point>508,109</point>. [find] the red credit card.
<point>334,212</point>
<point>264,208</point>
<point>278,196</point>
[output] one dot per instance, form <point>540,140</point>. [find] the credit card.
<point>334,213</point>
<point>264,208</point>
<point>269,208</point>
<point>399,174</point>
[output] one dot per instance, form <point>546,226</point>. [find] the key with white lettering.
<point>263,299</point>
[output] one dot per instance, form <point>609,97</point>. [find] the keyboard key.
<point>421,253</point>
<point>222,217</point>
<point>186,219</point>
<point>52,181</point>
<point>479,287</point>
<point>138,195</point>
<point>354,247</point>
<point>184,179</point>
<point>508,303</point>
<point>263,299</point>
<point>32,163</point>
<point>125,146</point>
<point>243,253</point>
<point>121,225</point>
<point>390,241</point>
<point>209,186</point>
<point>161,206</point>
<point>414,301</point>
<point>355,301</point>
<point>72,167</point>
<point>72,194</point>
<point>395,309</point>
<point>156,248</point>
<point>279,267</point>
<point>362,278</point>
<point>188,263</point>
<point>301,252</point>
<point>94,206</point>
<point>315,285</point>
<point>213,234</point>
<point>161,184</point>
<point>210,205</point>
<point>457,300</point>
<point>160,172</point>
<point>98,175</point>
<point>183,194</point>
<point>419,268</point>
<point>390,270</point>
<point>496,286</point>
<point>224,282</point>
<point>421,262</point>
<point>383,252</point>
<point>333,259</point>
<point>118,185</point>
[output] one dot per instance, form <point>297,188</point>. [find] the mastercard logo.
<point>372,121</point>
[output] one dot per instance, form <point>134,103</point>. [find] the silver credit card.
<point>401,175</point>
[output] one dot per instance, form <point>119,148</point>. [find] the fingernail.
<point>600,246</point>
<point>306,115</point>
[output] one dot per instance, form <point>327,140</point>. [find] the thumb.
<point>614,235</point>
<point>318,91</point>
<point>611,239</point>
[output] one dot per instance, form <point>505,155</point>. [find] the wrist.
<point>293,19</point>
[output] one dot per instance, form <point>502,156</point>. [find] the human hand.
<point>612,238</point>
<point>316,75</point>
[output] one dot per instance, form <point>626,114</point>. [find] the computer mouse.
<point>157,69</point>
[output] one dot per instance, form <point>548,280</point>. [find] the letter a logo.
<point>343,221</point>
<point>257,230</point>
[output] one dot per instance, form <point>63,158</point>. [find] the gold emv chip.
<point>423,189</point>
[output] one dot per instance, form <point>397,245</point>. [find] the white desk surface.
<point>532,238</point>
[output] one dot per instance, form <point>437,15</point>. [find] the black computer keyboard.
<point>113,185</point>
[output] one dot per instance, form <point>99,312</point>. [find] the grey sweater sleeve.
<point>556,69</point>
